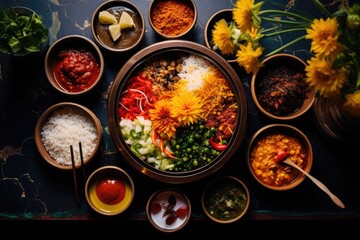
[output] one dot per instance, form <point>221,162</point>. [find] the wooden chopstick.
<point>74,175</point>
<point>82,161</point>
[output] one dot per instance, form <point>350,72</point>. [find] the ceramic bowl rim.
<point>119,171</point>
<point>68,40</point>
<point>298,113</point>
<point>226,178</point>
<point>192,2</point>
<point>106,5</point>
<point>45,116</point>
<point>294,131</point>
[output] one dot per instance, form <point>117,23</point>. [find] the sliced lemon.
<point>126,21</point>
<point>115,31</point>
<point>107,18</point>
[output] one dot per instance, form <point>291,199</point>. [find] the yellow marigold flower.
<point>249,58</point>
<point>186,107</point>
<point>222,37</point>
<point>162,121</point>
<point>327,81</point>
<point>324,35</point>
<point>352,104</point>
<point>242,14</point>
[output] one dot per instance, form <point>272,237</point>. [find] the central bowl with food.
<point>177,111</point>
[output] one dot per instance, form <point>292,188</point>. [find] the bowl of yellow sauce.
<point>109,190</point>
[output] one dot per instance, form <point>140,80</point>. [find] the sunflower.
<point>249,58</point>
<point>324,35</point>
<point>186,107</point>
<point>321,75</point>
<point>244,15</point>
<point>352,104</point>
<point>222,37</point>
<point>162,121</point>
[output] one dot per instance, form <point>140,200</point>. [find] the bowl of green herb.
<point>22,31</point>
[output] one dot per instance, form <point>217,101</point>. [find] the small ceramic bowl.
<point>65,124</point>
<point>225,14</point>
<point>263,149</point>
<point>118,26</point>
<point>279,89</point>
<point>39,40</point>
<point>74,65</point>
<point>175,25</point>
<point>109,190</point>
<point>168,210</point>
<point>225,199</point>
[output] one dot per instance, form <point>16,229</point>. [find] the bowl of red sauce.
<point>109,190</point>
<point>74,65</point>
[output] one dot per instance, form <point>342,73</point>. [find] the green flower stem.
<point>284,13</point>
<point>284,21</point>
<point>283,31</point>
<point>320,6</point>
<point>285,46</point>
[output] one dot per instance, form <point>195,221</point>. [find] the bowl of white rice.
<point>177,111</point>
<point>68,124</point>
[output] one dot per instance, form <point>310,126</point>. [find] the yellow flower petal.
<point>327,81</point>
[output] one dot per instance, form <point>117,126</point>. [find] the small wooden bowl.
<point>176,219</point>
<point>278,135</point>
<point>293,65</point>
<point>234,194</point>
<point>130,38</point>
<point>209,28</point>
<point>109,190</point>
<point>72,42</point>
<point>163,31</point>
<point>84,113</point>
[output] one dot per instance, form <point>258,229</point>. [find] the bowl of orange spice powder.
<point>172,18</point>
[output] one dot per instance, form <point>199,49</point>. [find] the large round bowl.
<point>223,151</point>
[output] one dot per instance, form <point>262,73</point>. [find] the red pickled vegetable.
<point>181,212</point>
<point>155,207</point>
<point>217,146</point>
<point>280,155</point>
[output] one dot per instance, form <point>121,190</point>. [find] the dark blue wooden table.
<point>30,189</point>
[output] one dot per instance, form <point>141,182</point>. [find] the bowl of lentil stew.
<point>172,18</point>
<point>279,89</point>
<point>262,150</point>
<point>225,199</point>
<point>177,111</point>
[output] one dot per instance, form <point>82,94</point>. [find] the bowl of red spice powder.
<point>279,89</point>
<point>109,190</point>
<point>172,18</point>
<point>74,65</point>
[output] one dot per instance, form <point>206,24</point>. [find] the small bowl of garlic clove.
<point>118,26</point>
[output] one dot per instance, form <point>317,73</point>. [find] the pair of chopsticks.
<point>74,170</point>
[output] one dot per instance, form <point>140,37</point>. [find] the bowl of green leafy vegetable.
<point>22,31</point>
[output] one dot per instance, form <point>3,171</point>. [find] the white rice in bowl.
<point>69,126</point>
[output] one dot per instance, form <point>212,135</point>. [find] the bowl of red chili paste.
<point>279,89</point>
<point>109,190</point>
<point>177,111</point>
<point>74,65</point>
